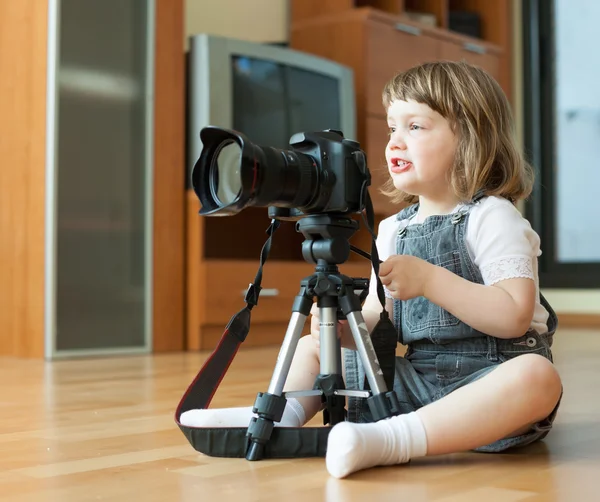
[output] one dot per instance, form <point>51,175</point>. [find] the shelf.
<point>223,256</point>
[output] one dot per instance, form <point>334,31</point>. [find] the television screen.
<point>272,101</point>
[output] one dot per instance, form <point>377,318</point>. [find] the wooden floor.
<point>103,429</point>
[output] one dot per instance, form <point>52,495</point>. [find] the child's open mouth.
<point>399,165</point>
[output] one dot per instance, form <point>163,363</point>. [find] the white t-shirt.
<point>500,241</point>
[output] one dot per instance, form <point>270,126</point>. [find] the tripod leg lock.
<point>269,408</point>
<point>384,405</point>
<point>334,410</point>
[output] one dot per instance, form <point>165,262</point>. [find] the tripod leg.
<point>286,353</point>
<point>330,357</point>
<point>366,352</point>
<point>330,379</point>
<point>269,406</point>
<point>383,403</point>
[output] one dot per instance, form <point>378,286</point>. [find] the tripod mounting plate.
<point>326,237</point>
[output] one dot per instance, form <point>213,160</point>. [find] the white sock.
<point>352,447</point>
<point>293,416</point>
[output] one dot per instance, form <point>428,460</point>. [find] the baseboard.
<point>574,320</point>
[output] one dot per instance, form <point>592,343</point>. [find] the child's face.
<point>421,149</point>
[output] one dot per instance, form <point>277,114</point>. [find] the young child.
<point>460,273</point>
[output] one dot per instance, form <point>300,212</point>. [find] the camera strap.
<point>233,441</point>
<point>384,335</point>
<point>285,442</point>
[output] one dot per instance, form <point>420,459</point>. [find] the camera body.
<point>342,168</point>
<point>321,173</point>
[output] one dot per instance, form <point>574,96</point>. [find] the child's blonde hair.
<point>487,156</point>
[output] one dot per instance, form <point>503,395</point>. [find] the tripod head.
<point>326,244</point>
<point>326,235</point>
<point>326,238</point>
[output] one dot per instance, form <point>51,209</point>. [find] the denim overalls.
<point>443,353</point>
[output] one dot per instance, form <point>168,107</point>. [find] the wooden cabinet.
<point>486,56</point>
<point>376,40</point>
<point>220,271</point>
<point>391,46</point>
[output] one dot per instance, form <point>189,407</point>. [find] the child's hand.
<point>343,330</point>
<point>405,276</point>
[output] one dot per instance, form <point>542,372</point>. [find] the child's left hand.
<point>405,276</point>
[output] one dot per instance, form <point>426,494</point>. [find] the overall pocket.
<point>420,314</point>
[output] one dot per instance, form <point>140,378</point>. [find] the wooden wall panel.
<point>23,32</point>
<point>496,27</point>
<point>169,178</point>
<point>23,59</point>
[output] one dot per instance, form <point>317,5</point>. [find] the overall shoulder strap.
<point>407,212</point>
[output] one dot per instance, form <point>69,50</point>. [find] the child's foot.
<point>293,416</point>
<point>352,447</point>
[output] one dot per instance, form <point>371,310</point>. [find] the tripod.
<point>326,244</point>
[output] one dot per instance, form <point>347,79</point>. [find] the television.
<point>267,92</point>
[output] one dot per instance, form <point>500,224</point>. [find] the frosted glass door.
<point>103,176</point>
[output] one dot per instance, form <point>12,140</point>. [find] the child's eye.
<point>415,127</point>
<point>391,129</point>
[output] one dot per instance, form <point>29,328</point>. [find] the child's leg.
<point>304,369</point>
<point>503,403</point>
<point>506,402</point>
<point>303,372</point>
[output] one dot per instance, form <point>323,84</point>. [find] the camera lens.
<point>225,179</point>
<point>315,175</point>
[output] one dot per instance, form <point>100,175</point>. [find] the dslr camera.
<point>321,173</point>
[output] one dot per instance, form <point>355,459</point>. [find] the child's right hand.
<point>343,330</point>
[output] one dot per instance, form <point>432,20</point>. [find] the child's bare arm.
<point>504,310</point>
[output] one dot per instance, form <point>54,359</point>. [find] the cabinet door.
<point>474,53</point>
<point>392,48</point>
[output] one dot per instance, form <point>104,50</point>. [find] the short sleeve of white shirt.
<point>501,242</point>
